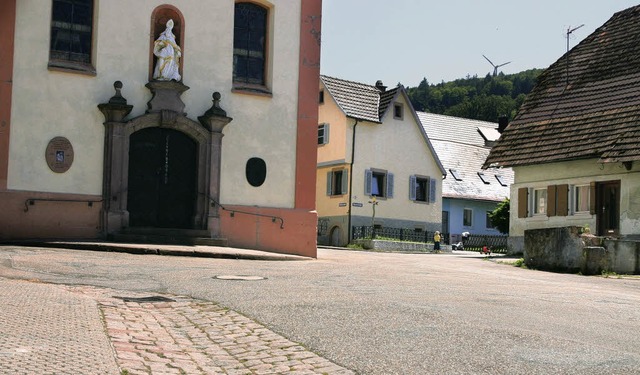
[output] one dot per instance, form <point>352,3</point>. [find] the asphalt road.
<point>381,313</point>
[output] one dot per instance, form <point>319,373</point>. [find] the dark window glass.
<point>256,171</point>
<point>71,30</point>
<point>421,189</point>
<point>249,36</point>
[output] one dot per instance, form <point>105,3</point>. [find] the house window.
<point>455,174</point>
<point>483,178</point>
<point>378,183</point>
<point>323,134</point>
<point>539,201</point>
<point>337,182</point>
<point>321,97</point>
<point>501,180</point>
<point>581,198</point>
<point>71,34</point>
<point>422,189</point>
<point>467,217</point>
<point>489,222</point>
<point>398,111</point>
<point>249,43</point>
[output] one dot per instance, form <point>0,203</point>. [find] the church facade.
<point>189,117</point>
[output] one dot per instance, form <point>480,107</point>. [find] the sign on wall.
<point>59,154</point>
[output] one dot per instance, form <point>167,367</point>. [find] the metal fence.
<point>400,234</point>
<point>497,244</point>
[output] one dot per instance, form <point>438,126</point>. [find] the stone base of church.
<point>282,230</point>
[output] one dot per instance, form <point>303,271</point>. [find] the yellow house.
<point>95,143</point>
<point>376,165</point>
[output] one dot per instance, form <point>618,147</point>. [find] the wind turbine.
<point>495,67</point>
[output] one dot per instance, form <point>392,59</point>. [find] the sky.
<point>404,41</point>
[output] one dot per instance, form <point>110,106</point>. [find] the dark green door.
<point>162,177</point>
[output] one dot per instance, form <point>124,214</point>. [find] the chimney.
<point>503,121</point>
<point>380,86</point>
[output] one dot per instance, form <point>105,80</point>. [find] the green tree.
<point>500,216</point>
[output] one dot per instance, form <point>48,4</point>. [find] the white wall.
<point>577,173</point>
<point>398,147</point>
<point>49,103</point>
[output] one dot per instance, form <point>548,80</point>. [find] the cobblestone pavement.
<point>57,329</point>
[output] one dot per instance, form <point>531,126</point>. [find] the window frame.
<point>470,218</point>
<point>244,83</point>
<point>483,178</point>
<point>489,223</point>
<point>371,175</point>
<point>538,209</point>
<point>429,186</point>
<point>575,197</point>
<point>337,186</point>
<point>398,111</point>
<point>55,62</point>
<point>324,138</point>
<point>455,174</point>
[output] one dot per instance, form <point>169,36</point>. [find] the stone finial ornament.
<point>168,53</point>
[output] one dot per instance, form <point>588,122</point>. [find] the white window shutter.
<point>329,177</point>
<point>412,187</point>
<point>368,178</point>
<point>345,181</point>
<point>389,185</point>
<point>432,190</point>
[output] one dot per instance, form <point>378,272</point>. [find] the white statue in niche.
<point>168,53</point>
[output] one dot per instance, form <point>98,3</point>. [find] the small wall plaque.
<point>59,154</point>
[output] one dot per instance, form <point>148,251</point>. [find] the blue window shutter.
<point>389,185</point>
<point>368,178</point>
<point>329,176</point>
<point>412,187</point>
<point>345,181</point>
<point>432,190</point>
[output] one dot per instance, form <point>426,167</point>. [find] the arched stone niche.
<point>159,18</point>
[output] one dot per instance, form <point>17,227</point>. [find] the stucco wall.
<point>479,220</point>
<point>398,147</point>
<point>576,173</point>
<point>49,103</point>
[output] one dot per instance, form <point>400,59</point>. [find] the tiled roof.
<point>461,147</point>
<point>358,100</point>
<point>594,113</point>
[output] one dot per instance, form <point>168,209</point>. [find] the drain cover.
<point>146,299</point>
<point>239,277</point>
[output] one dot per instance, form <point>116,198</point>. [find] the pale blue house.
<point>469,193</point>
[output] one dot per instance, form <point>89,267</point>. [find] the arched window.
<point>249,43</point>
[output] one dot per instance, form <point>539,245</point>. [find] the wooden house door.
<point>608,208</point>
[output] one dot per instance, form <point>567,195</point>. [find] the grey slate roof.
<point>359,100</point>
<point>594,113</point>
<point>461,146</point>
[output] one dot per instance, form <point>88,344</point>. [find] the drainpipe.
<point>353,155</point>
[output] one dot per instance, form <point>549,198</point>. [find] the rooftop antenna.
<point>495,67</point>
<point>569,32</point>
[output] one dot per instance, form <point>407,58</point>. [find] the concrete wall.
<point>575,173</point>
<point>566,250</point>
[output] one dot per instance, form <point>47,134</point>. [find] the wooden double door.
<point>162,179</point>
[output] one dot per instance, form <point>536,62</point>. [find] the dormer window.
<point>455,174</point>
<point>483,178</point>
<point>501,180</point>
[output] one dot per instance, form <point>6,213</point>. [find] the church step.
<point>178,232</point>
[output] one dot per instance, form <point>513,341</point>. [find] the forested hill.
<point>475,98</point>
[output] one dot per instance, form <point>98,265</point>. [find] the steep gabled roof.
<point>369,103</point>
<point>356,100</point>
<point>461,147</point>
<point>591,112</point>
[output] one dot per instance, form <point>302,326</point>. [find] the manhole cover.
<point>146,299</point>
<point>239,277</point>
